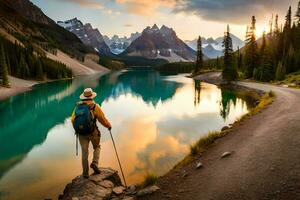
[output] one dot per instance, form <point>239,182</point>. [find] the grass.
<point>149,179</point>
<point>205,142</point>
<point>292,80</point>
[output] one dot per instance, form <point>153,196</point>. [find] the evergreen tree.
<point>3,68</point>
<point>271,25</point>
<point>264,71</point>
<point>39,70</point>
<point>298,14</point>
<point>280,71</point>
<point>199,61</point>
<point>288,19</point>
<point>276,26</point>
<point>251,54</point>
<point>23,67</point>
<point>229,72</point>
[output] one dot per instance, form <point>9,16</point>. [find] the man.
<point>87,98</point>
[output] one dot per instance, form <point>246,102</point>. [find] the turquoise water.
<point>155,118</point>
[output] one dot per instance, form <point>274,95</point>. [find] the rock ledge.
<point>104,186</point>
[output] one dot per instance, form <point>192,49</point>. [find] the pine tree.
<point>23,67</point>
<point>298,14</point>
<point>229,72</point>
<point>271,25</point>
<point>264,71</point>
<point>251,54</point>
<point>280,71</point>
<point>288,19</point>
<point>39,70</point>
<point>276,26</point>
<point>199,62</point>
<point>239,59</point>
<point>3,67</point>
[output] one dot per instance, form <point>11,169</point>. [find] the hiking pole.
<point>118,158</point>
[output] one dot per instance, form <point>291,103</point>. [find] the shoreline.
<point>19,86</point>
<point>232,157</point>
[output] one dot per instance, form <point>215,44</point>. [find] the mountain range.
<point>22,20</point>
<point>118,44</point>
<point>87,34</point>
<point>163,43</point>
<point>213,48</point>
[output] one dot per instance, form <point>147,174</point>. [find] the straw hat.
<point>88,94</point>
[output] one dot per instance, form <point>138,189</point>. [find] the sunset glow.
<point>189,18</point>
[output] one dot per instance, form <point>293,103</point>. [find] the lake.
<point>155,119</point>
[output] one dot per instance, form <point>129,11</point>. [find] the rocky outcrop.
<point>87,34</point>
<point>97,186</point>
<point>106,185</point>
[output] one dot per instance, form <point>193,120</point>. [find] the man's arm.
<point>73,116</point>
<point>101,117</point>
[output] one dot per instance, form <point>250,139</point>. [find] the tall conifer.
<point>251,54</point>
<point>199,62</point>
<point>229,72</point>
<point>3,67</point>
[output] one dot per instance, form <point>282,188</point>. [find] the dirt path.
<point>265,163</point>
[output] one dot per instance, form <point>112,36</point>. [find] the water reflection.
<point>154,118</point>
<point>197,84</point>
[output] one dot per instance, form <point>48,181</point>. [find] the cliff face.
<point>87,34</point>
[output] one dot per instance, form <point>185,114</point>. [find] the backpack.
<point>84,122</point>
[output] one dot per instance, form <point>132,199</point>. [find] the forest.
<point>23,62</point>
<point>269,58</point>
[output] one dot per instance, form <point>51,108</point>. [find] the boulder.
<point>98,186</point>
<point>131,189</point>
<point>147,190</point>
<point>118,190</point>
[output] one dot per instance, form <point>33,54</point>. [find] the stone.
<point>225,128</point>
<point>131,189</point>
<point>199,165</point>
<point>128,198</point>
<point>106,184</point>
<point>118,190</point>
<point>226,154</point>
<point>147,190</point>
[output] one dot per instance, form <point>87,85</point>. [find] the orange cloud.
<point>145,7</point>
<point>86,4</point>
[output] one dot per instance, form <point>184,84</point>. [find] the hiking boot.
<point>86,176</point>
<point>95,168</point>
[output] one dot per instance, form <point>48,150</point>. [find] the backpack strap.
<point>93,108</point>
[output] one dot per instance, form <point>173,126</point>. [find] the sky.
<point>189,18</point>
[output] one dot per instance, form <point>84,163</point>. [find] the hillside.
<point>27,23</point>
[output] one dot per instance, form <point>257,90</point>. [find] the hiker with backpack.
<point>84,118</point>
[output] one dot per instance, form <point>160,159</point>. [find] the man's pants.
<point>84,143</point>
